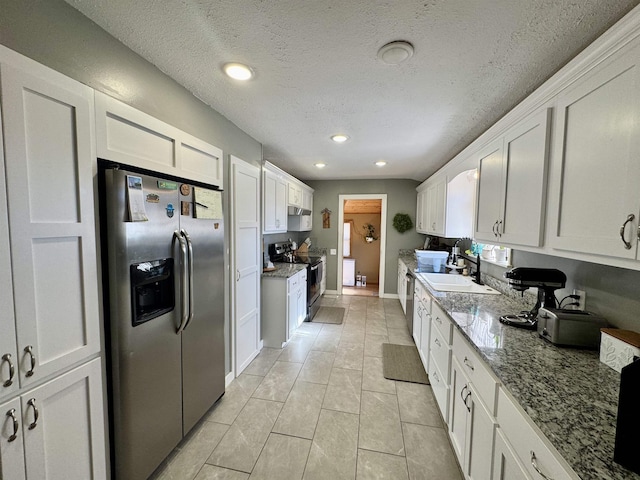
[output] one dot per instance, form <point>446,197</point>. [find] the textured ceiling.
<point>317,71</point>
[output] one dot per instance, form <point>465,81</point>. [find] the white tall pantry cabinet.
<point>51,398</point>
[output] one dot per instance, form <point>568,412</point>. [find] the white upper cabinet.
<point>294,197</point>
<point>50,162</point>
<point>431,208</point>
<point>597,161</point>
<point>130,136</point>
<point>512,184</point>
<point>274,203</point>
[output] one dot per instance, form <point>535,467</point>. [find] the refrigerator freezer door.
<point>203,337</point>
<point>145,359</point>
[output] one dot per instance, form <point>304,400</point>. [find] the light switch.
<point>333,251</point>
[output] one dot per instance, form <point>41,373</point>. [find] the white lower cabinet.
<point>418,312</point>
<point>402,285</point>
<point>471,420</point>
<point>56,430</point>
<point>506,465</point>
<point>537,456</point>
<point>284,307</point>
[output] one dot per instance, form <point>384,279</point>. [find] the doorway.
<point>361,244</point>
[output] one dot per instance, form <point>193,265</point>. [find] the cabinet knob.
<point>12,370</point>
<point>630,218</point>
<point>29,350</point>
<point>535,466</point>
<point>36,414</point>
<point>12,415</point>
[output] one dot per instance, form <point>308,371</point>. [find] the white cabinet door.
<point>8,354</point>
<point>524,189</point>
<point>292,312</point>
<point>417,316</point>
<point>274,203</point>
<point>425,336</point>
<point>11,441</point>
<point>458,411</point>
<point>421,212</point>
<point>247,261</point>
<point>50,163</point>
<point>436,197</point>
<point>63,426</point>
<point>597,160</point>
<point>479,448</point>
<point>489,192</point>
<point>307,199</point>
<point>295,194</point>
<point>506,465</point>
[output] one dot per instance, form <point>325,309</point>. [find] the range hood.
<point>297,211</point>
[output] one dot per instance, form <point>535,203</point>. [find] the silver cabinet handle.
<point>437,342</point>
<point>534,464</point>
<point>499,229</point>
<point>495,229</point>
<point>462,393</point>
<point>12,370</point>
<point>630,218</point>
<point>29,350</point>
<point>465,400</point>
<point>435,375</point>
<point>12,415</point>
<point>438,320</point>
<point>190,273</point>
<point>184,282</point>
<point>36,414</point>
<point>468,363</point>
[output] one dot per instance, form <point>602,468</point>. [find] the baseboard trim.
<point>229,378</point>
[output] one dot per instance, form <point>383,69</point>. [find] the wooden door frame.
<point>383,235</point>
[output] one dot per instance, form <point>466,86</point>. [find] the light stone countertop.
<point>284,270</point>
<point>568,393</point>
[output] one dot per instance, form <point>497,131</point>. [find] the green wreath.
<point>402,222</point>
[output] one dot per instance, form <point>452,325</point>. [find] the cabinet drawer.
<point>529,444</point>
<point>442,322</point>
<point>440,387</point>
<point>302,276</point>
<point>440,352</point>
<point>477,372</point>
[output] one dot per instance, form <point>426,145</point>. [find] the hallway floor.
<point>321,409</point>
<point>369,290</point>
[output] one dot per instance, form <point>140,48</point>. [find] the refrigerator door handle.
<point>184,233</point>
<point>184,282</point>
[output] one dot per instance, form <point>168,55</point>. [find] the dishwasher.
<point>410,285</point>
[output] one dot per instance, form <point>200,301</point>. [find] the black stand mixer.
<point>547,280</point>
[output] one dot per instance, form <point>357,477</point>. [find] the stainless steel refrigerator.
<point>163,247</point>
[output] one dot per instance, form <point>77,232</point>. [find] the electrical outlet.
<point>333,251</point>
<point>582,300</point>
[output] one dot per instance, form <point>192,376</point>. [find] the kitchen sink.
<point>443,282</point>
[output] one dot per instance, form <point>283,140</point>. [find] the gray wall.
<point>55,34</point>
<point>611,292</point>
<point>401,198</point>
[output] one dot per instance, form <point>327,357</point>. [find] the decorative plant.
<point>402,222</point>
<point>370,236</point>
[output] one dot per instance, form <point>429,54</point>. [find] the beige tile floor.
<point>321,409</point>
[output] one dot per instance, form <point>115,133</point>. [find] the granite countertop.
<point>284,270</point>
<point>569,394</point>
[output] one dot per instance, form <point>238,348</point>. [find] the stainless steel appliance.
<point>163,248</point>
<point>283,252</point>
<point>547,280</point>
<point>570,328</point>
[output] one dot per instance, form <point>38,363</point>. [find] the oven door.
<point>314,279</point>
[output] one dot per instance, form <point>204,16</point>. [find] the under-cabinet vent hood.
<point>298,211</point>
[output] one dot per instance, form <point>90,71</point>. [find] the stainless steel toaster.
<point>570,328</point>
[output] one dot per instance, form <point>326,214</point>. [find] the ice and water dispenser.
<point>152,289</point>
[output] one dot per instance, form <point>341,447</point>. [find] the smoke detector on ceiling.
<point>396,52</point>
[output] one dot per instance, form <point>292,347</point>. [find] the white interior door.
<point>247,262</point>
<point>50,162</point>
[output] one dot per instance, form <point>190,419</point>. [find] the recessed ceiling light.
<point>395,52</point>
<point>381,163</point>
<point>320,165</point>
<point>339,137</point>
<point>238,71</point>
